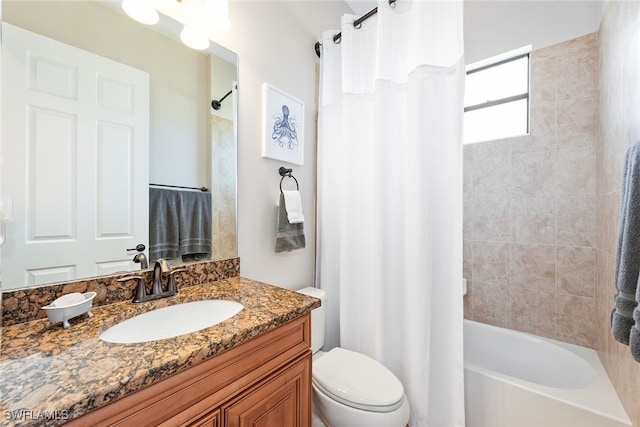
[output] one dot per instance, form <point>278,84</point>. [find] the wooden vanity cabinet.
<point>265,382</point>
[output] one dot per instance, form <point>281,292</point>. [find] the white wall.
<point>274,41</point>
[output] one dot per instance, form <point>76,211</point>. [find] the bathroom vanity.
<point>266,380</point>
<point>253,369</point>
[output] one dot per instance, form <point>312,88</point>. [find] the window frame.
<point>501,60</point>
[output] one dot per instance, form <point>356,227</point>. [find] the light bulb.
<point>141,11</point>
<point>194,39</point>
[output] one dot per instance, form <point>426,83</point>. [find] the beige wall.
<point>619,108</point>
<point>529,226</point>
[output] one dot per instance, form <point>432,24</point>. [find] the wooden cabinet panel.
<point>210,420</point>
<point>282,401</point>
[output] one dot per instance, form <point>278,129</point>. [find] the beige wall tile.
<point>577,74</point>
<point>560,49</point>
<point>576,172</point>
<point>533,174</point>
<point>467,173</point>
<point>533,221</point>
<point>492,149</point>
<point>575,270</point>
<point>533,311</point>
<point>542,129</point>
<point>610,161</point>
<point>577,124</point>
<point>607,222</point>
<point>491,220</point>
<point>576,221</point>
<point>491,304</point>
<point>533,266</point>
<point>543,79</point>
<point>575,319</point>
<point>491,262</point>
<point>491,177</point>
<point>467,219</point>
<point>604,298</point>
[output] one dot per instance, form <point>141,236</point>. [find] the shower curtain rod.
<point>356,24</point>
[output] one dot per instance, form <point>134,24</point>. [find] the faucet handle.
<point>171,281</point>
<point>141,291</point>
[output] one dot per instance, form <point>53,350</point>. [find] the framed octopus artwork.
<point>282,126</point>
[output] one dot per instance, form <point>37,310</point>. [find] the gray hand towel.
<point>195,218</point>
<point>164,234</point>
<point>634,336</point>
<point>289,236</point>
<point>627,269</point>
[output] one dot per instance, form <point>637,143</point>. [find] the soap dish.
<point>69,306</point>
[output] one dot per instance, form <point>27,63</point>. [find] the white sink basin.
<point>171,321</point>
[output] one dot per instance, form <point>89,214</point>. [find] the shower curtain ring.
<point>392,4</point>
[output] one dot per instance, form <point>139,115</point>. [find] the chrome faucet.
<point>161,266</point>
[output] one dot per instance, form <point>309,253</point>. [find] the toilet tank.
<point>317,317</point>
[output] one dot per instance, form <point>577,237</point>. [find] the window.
<point>496,102</point>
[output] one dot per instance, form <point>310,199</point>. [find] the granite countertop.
<point>50,375</point>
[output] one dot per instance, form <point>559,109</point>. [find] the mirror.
<point>190,143</point>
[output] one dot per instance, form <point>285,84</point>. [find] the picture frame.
<point>282,126</point>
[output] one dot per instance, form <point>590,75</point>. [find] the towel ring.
<point>287,173</point>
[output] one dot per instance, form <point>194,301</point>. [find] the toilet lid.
<point>358,381</point>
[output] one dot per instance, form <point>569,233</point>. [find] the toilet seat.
<point>358,381</point>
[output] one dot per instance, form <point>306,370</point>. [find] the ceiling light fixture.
<point>200,17</point>
<point>141,10</point>
<point>194,39</point>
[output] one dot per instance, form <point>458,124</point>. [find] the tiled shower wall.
<point>619,111</point>
<point>530,206</point>
<point>223,174</point>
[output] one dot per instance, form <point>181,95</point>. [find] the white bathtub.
<point>516,379</point>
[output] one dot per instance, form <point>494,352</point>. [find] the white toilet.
<point>349,388</point>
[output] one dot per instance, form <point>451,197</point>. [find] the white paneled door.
<point>75,148</point>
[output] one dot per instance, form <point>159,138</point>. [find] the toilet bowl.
<point>351,389</point>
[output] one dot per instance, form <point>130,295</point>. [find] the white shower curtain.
<point>390,197</point>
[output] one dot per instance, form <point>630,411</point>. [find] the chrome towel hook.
<point>287,173</point>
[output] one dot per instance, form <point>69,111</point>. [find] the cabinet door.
<point>281,401</point>
<point>210,420</point>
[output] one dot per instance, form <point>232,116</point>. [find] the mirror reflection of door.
<point>87,116</point>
